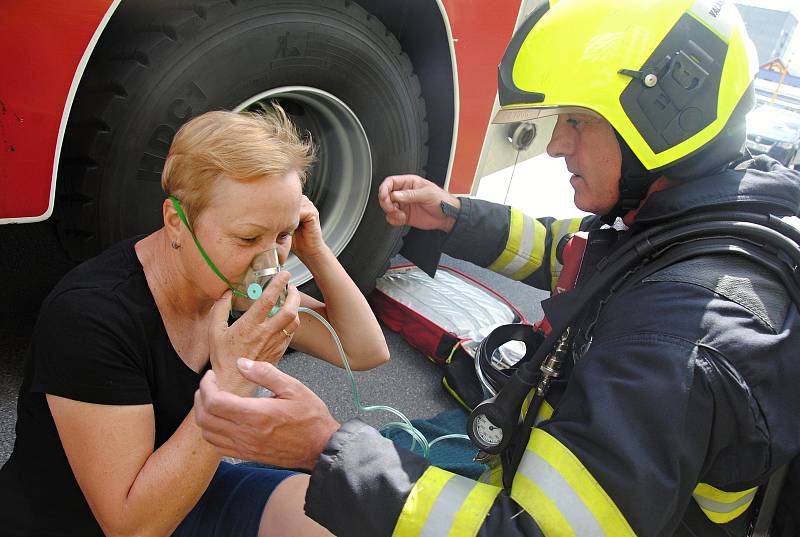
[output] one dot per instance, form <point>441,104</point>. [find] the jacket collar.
<point>759,185</point>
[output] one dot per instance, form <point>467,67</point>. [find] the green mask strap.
<point>179,209</point>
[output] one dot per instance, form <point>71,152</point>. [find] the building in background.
<point>770,29</point>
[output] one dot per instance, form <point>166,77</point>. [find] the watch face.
<point>486,431</point>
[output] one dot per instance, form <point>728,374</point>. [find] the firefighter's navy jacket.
<point>686,401</point>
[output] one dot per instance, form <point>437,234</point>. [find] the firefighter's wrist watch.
<point>449,210</point>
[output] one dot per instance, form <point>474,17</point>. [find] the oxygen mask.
<point>262,269</point>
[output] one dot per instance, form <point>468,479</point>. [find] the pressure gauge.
<point>490,425</point>
<point>486,432</point>
<point>493,423</point>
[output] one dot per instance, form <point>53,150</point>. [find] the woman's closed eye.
<point>248,240</point>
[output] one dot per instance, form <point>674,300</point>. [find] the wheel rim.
<point>340,180</point>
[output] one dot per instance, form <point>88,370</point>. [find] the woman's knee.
<point>284,514</point>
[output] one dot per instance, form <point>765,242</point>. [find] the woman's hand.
<point>307,241</point>
<point>255,335</point>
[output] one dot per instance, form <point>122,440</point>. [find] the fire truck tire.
<point>339,73</point>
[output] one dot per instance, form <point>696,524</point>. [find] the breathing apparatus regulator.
<point>492,431</point>
<point>261,270</point>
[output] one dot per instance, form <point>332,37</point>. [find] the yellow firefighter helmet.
<point>673,77</point>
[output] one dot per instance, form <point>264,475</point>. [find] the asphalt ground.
<point>408,382</point>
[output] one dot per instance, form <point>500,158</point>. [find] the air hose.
<point>404,424</point>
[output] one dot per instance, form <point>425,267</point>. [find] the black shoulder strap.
<point>735,278</point>
<point>766,510</point>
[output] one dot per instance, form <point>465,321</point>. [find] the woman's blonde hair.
<point>241,146</point>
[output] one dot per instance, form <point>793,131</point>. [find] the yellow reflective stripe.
<point>577,515</point>
<point>455,395</point>
<point>493,475</point>
<point>724,518</point>
<point>532,249</point>
<point>420,502</point>
<point>537,504</point>
<point>712,493</point>
<point>545,413</point>
<point>720,506</point>
<point>512,243</point>
<point>442,503</point>
<point>524,250</point>
<point>559,229</point>
<point>569,485</point>
<point>526,403</point>
<point>555,234</point>
<point>473,511</point>
<point>545,410</point>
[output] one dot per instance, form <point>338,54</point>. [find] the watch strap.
<point>449,210</point>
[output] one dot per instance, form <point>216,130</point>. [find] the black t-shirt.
<point>99,339</point>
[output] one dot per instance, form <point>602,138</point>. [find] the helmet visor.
<point>516,115</point>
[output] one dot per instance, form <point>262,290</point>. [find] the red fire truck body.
<point>57,55</point>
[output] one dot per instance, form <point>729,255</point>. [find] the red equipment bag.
<point>445,318</point>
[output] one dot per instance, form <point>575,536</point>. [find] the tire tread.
<point>117,71</point>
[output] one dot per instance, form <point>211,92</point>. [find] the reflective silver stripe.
<point>486,476</point>
<point>523,256</point>
<point>720,507</point>
<point>447,504</point>
<point>572,508</point>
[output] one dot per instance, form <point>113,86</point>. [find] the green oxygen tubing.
<point>404,424</point>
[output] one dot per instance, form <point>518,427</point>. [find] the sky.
<point>793,52</point>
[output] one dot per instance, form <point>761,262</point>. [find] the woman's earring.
<point>175,244</point>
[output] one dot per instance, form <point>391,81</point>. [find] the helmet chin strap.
<point>634,182</point>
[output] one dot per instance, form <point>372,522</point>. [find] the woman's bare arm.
<point>345,307</point>
<point>131,489</point>
<point>348,312</point>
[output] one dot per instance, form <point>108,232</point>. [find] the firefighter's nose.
<point>562,142</point>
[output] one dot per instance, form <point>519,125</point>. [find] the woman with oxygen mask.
<point>107,441</point>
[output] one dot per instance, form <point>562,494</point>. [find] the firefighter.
<point>679,402</point>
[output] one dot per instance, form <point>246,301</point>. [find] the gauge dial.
<point>486,431</point>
